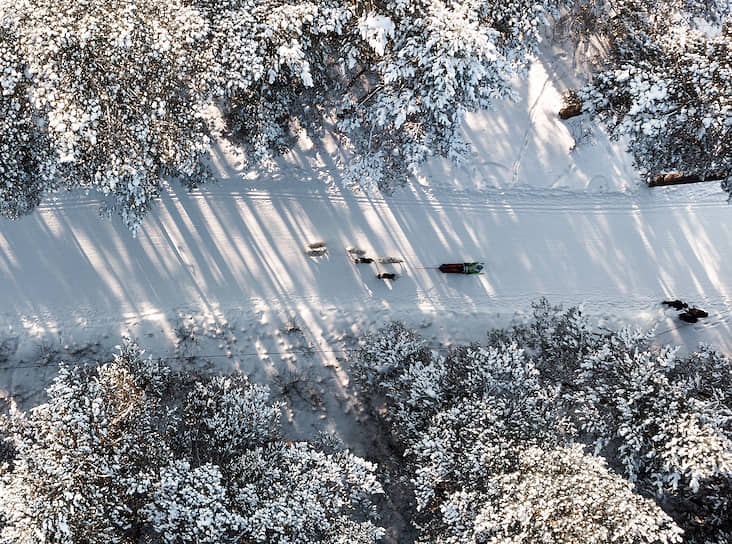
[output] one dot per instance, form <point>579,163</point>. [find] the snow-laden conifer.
<point>493,434</point>
<point>560,495</point>
<point>221,422</point>
<point>188,504</point>
<point>79,456</point>
<point>24,165</point>
<point>332,491</point>
<point>431,62</point>
<point>118,87</point>
<point>276,68</point>
<point>663,420</point>
<point>671,97</point>
<point>131,452</point>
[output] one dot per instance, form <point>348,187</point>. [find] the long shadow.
<point>239,244</point>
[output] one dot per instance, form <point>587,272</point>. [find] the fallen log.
<point>570,111</point>
<point>677,178</point>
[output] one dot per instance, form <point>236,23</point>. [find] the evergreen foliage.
<point>513,440</point>
<point>131,452</point>
<point>111,96</point>
<point>23,149</point>
<point>114,87</point>
<point>432,61</point>
<point>666,87</point>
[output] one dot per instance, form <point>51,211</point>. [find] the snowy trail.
<point>233,246</point>
<point>554,209</point>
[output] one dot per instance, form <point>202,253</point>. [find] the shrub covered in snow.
<point>129,452</point>
<point>468,419</point>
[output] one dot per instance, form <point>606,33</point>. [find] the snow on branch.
<point>130,451</point>
<point>513,440</point>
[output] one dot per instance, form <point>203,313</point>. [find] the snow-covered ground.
<point>553,209</point>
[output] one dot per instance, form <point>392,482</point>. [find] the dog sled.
<point>461,268</point>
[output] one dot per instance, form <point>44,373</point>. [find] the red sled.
<point>461,268</point>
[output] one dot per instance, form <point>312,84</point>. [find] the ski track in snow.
<point>233,253</point>
<point>218,250</point>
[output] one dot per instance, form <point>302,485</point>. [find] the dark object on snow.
<point>696,312</point>
<point>363,260</point>
<point>675,304</point>
<point>386,276</point>
<point>461,268</point>
<point>570,111</point>
<point>677,178</point>
<point>686,316</point>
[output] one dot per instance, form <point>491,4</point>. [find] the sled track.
<point>543,201</point>
<point>223,246</point>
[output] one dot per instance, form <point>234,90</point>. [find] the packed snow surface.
<point>552,208</point>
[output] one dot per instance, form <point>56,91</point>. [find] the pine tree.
<point>668,91</point>
<point>116,88</point>
<point>493,435</point>
<point>276,69</point>
<point>130,451</point>
<point>432,61</point>
<point>24,154</point>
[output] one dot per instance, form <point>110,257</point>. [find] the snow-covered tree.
<point>119,87</point>
<point>484,440</point>
<point>131,452</point>
<point>395,77</point>
<point>559,496</point>
<point>190,505</point>
<point>627,397</point>
<point>78,455</point>
<point>663,419</point>
<point>397,369</point>
<point>431,61</point>
<point>670,94</point>
<point>332,493</point>
<point>221,422</point>
<point>467,419</point>
<point>275,68</point>
<point>23,149</point>
<point>626,25</point>
<point>412,384</point>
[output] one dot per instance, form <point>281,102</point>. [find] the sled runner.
<point>461,268</point>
